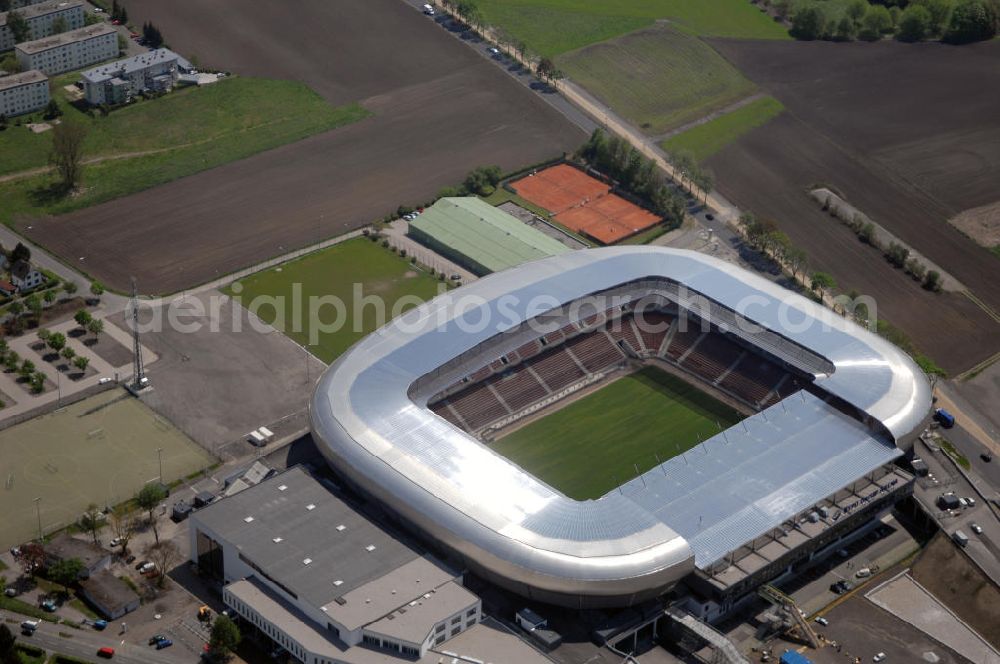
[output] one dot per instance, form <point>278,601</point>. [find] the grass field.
<point>100,450</point>
<point>594,444</point>
<point>192,130</point>
<point>706,139</point>
<point>657,79</point>
<point>379,273</point>
<point>552,27</point>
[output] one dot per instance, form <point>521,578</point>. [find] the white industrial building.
<point>43,19</point>
<point>117,82</point>
<point>70,50</point>
<point>23,93</point>
<point>316,577</point>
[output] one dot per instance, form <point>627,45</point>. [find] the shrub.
<point>897,254</point>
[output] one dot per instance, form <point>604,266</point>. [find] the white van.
<point>429,10</point>
<point>863,573</point>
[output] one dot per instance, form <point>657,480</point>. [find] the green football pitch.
<point>596,443</point>
<point>353,288</point>
<point>101,450</point>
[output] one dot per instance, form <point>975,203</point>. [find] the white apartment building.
<point>117,82</point>
<point>23,93</point>
<point>17,4</point>
<point>315,576</point>
<point>42,20</point>
<point>70,50</point>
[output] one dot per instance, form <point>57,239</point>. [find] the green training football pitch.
<point>101,450</point>
<point>363,286</point>
<point>594,444</point>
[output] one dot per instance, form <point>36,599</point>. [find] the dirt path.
<point>659,138</point>
<point>20,175</point>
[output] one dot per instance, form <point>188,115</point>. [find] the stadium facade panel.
<point>370,419</point>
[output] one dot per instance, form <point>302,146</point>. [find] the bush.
<point>932,281</point>
<point>867,234</point>
<point>916,269</point>
<point>897,254</point>
<point>913,24</point>
<point>876,22</point>
<point>808,23</point>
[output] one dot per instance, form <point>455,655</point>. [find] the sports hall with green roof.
<point>480,237</point>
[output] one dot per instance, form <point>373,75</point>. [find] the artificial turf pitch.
<point>101,450</point>
<point>596,443</point>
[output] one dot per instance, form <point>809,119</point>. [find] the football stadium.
<point>592,428</point>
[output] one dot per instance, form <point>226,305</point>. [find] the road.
<point>84,643</point>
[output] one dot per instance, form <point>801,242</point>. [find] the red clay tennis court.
<point>584,204</point>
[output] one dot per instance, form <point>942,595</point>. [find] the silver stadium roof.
<point>373,425</point>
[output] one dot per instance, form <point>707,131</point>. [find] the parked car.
<point>153,640</point>
<point>822,621</point>
<point>115,542</point>
<point>106,652</point>
<point>986,456</point>
<point>494,51</point>
<point>428,10</point>
<point>147,568</point>
<point>49,605</point>
<point>100,625</point>
<point>976,528</point>
<point>130,559</point>
<point>98,10</point>
<point>116,22</point>
<point>164,643</point>
<point>10,592</point>
<point>879,657</point>
<point>139,565</point>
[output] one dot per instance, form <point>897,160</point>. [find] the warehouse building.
<point>23,93</point>
<point>44,20</point>
<point>316,577</point>
<point>118,82</point>
<point>70,50</point>
<point>480,237</point>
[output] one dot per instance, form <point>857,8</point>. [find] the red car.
<point>106,652</point>
<point>116,22</point>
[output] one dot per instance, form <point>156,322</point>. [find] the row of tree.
<point>958,22</point>
<point>634,173</point>
<point>481,181</point>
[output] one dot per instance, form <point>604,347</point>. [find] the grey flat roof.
<point>415,621</point>
<point>383,595</point>
<point>42,8</point>
<point>332,535</point>
<point>24,78</point>
<point>80,34</point>
<point>109,591</point>
<point>125,66</point>
<point>369,425</point>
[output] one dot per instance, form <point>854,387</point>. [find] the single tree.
<point>545,69</point>
<point>32,559</point>
<point>8,654</point>
<point>69,287</point>
<point>123,524</point>
<point>82,318</point>
<point>821,281</point>
<point>44,334</point>
<point>148,498</point>
<point>65,572</point>
<point>809,22</point>
<point>91,520</point>
<point>34,304</point>
<point>856,11</point>
<point>97,289</point>
<point>27,368</point>
<point>224,639</point>
<point>913,24</point>
<point>56,341</point>
<point>37,382</point>
<point>12,360</point>
<point>68,353</point>
<point>95,327</point>
<point>932,281</point>
<point>876,22</point>
<point>52,110</point>
<point>18,26</point>
<point>81,363</point>
<point>20,253</point>
<point>67,152</point>
<point>49,296</point>
<point>973,20</point>
<point>163,555</point>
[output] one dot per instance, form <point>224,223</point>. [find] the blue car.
<point>49,605</point>
<point>100,625</point>
<point>164,643</point>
